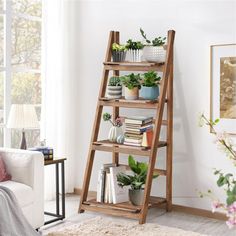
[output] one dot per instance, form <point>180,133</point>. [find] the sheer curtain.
<point>59,91</point>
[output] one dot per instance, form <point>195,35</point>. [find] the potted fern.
<point>150,85</point>
<point>118,52</point>
<point>134,50</point>
<point>154,51</point>
<point>136,181</point>
<point>114,88</point>
<point>132,86</point>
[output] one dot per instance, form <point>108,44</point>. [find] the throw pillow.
<point>4,176</point>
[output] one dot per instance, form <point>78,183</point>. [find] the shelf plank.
<point>134,66</point>
<point>107,146</point>
<point>139,103</point>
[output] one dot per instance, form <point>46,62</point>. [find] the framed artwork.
<point>223,86</point>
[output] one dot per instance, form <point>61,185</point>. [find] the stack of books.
<point>47,151</point>
<point>135,127</point>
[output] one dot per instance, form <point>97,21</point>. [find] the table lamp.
<point>22,116</point>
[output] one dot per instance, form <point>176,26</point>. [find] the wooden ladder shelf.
<point>165,99</point>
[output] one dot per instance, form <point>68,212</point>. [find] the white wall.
<point>198,25</point>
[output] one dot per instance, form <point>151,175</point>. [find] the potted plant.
<point>135,181</point>
<point>134,50</point>
<point>116,130</point>
<point>154,51</point>
<point>118,52</point>
<point>150,85</point>
<point>132,86</point>
<point>114,88</point>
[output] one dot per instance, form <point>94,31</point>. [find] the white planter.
<point>131,94</point>
<point>135,55</point>
<point>154,54</point>
<point>114,133</point>
<point>114,92</point>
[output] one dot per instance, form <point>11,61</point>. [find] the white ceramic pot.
<point>154,54</point>
<point>135,55</point>
<point>114,133</point>
<point>131,94</point>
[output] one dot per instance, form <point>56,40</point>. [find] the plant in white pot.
<point>132,85</point>
<point>116,129</point>
<point>134,50</point>
<point>118,52</point>
<point>114,88</point>
<point>154,51</point>
<point>136,181</point>
<point>150,85</point>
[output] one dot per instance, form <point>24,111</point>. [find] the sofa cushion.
<point>23,193</point>
<point>4,176</point>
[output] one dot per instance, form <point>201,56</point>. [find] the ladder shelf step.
<point>107,146</point>
<point>134,66</point>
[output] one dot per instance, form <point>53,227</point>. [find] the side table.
<point>59,215</point>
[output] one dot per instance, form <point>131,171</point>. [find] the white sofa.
<point>27,183</point>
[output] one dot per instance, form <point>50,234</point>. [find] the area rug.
<point>99,226</point>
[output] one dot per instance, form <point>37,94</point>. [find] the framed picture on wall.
<point>223,86</point>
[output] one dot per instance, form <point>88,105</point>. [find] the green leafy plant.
<point>159,41</point>
<point>118,47</point>
<point>114,81</point>
<point>150,79</point>
<point>134,45</point>
<point>131,81</point>
<point>138,179</point>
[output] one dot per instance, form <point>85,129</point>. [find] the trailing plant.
<point>131,81</point>
<point>118,121</point>
<point>134,45</point>
<point>159,41</point>
<point>227,181</point>
<point>118,47</point>
<point>114,81</point>
<point>138,179</point>
<point>150,79</point>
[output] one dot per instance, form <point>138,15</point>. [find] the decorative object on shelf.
<point>154,51</point>
<point>135,52</point>
<point>135,181</point>
<point>150,85</point>
<point>223,86</point>
<point>118,52</point>
<point>47,151</point>
<point>114,88</point>
<point>227,181</point>
<point>22,116</point>
<point>116,129</point>
<point>132,86</point>
<point>120,139</point>
<point>147,138</point>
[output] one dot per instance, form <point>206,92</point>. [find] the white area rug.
<point>99,226</point>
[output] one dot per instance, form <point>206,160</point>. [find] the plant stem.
<point>112,123</point>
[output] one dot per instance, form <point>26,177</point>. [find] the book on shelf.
<point>138,120</point>
<point>118,194</point>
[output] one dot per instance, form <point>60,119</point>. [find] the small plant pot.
<point>136,196</point>
<point>114,92</point>
<point>131,94</point>
<point>118,56</point>
<point>154,54</point>
<point>150,93</point>
<point>114,133</point>
<point>135,55</point>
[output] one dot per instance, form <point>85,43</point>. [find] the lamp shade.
<point>22,116</point>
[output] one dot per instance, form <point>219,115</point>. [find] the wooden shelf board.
<point>121,102</point>
<point>134,66</point>
<point>107,146</point>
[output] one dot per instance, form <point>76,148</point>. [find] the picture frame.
<point>223,86</point>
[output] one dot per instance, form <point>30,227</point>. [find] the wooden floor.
<point>174,219</point>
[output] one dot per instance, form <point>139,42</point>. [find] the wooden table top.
<point>54,161</point>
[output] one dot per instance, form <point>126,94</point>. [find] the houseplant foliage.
<point>149,85</point>
<point>132,85</point>
<point>227,181</point>
<point>118,52</point>
<point>114,88</point>
<point>154,50</point>
<point>134,50</point>
<point>135,181</point>
<point>116,130</point>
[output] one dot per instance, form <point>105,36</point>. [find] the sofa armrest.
<point>24,166</point>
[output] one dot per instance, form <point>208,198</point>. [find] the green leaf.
<point>220,181</point>
<point>132,164</point>
<point>231,199</point>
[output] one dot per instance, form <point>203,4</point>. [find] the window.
<point>20,64</point>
